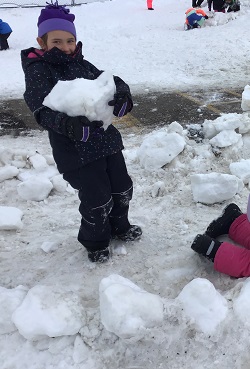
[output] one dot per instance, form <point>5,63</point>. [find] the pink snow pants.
<point>231,259</point>
<point>150,3</point>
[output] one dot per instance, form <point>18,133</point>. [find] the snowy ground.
<point>46,278</point>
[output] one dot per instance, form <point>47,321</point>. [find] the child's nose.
<point>65,47</point>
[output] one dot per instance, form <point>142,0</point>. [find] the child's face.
<point>63,40</point>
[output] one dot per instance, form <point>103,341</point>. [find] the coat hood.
<point>53,56</point>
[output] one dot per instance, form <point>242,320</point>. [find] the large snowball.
<point>35,189</point>
<point>126,309</point>
<point>84,97</point>
<point>10,299</point>
<point>159,149</point>
<point>214,187</point>
<point>202,303</point>
<point>49,311</point>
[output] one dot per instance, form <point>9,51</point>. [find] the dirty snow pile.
<point>64,309</point>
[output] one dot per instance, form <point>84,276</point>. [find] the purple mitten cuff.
<point>85,135</point>
<point>123,110</point>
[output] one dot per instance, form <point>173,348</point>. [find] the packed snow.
<point>155,304</point>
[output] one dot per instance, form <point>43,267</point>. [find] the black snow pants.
<point>3,41</point>
<point>105,190</point>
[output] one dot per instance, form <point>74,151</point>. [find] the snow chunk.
<point>175,127</point>
<point>214,187</point>
<point>8,172</point>
<point>59,184</point>
<point>226,138</point>
<point>35,189</point>
<point>47,172</point>
<point>49,246</point>
<point>241,169</point>
<point>203,304</point>
<point>245,102</point>
<point>10,299</point>
<point>126,309</point>
<point>160,148</point>
<point>38,161</point>
<point>226,122</point>
<point>10,218</point>
<point>84,97</point>
<point>49,311</point>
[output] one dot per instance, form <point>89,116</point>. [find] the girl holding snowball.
<point>89,157</point>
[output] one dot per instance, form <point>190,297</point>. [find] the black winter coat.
<point>218,5</point>
<point>41,75</point>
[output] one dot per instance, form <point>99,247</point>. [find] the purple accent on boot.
<point>85,132</point>
<point>123,110</point>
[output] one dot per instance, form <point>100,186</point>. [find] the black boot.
<point>99,256</point>
<point>150,8</point>
<point>206,246</point>
<point>222,224</point>
<point>133,233</point>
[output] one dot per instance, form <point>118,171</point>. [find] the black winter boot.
<point>133,233</point>
<point>222,224</point>
<point>99,256</point>
<point>206,246</point>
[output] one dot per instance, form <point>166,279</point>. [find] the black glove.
<point>206,17</point>
<point>122,104</point>
<point>80,128</point>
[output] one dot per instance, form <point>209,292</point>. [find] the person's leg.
<point>121,191</point>
<point>239,231</point>
<point>232,260</point>
<point>150,4</point>
<point>4,42</point>
<point>228,259</point>
<point>94,188</point>
<point>1,38</point>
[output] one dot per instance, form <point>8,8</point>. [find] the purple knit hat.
<point>55,17</point>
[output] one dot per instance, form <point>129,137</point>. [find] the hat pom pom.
<point>56,6</point>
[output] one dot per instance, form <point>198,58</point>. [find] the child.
<point>195,18</point>
<point>227,257</point>
<point>5,31</point>
<point>218,5</point>
<point>223,5</point>
<point>233,5</point>
<point>90,158</point>
<point>150,4</point>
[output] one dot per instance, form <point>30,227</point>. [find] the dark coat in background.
<point>4,28</point>
<point>218,5</point>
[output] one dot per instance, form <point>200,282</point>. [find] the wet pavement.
<point>151,110</point>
